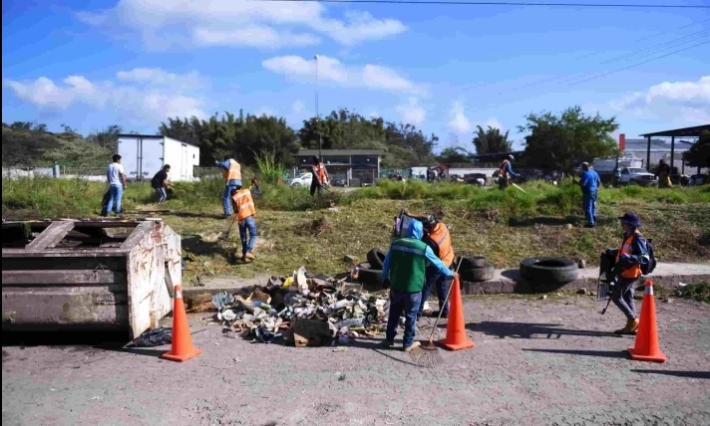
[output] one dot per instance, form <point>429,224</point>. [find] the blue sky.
<point>446,69</point>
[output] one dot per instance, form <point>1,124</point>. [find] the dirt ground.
<point>536,362</point>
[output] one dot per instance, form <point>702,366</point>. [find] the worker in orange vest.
<point>436,236</point>
<point>232,181</point>
<point>627,270</point>
<point>320,176</point>
<point>246,217</point>
<point>505,172</point>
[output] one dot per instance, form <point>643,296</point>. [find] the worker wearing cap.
<point>505,172</point>
<point>627,270</point>
<point>232,181</point>
<point>590,183</point>
<point>320,176</point>
<point>663,174</point>
<point>438,238</point>
<point>246,217</point>
<point>404,272</point>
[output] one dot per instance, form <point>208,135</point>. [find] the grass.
<point>699,292</point>
<point>295,229</point>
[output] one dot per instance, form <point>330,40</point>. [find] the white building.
<point>660,150</point>
<point>144,155</point>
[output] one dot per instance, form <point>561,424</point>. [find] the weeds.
<point>270,171</point>
<point>699,292</point>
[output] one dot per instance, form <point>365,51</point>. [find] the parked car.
<point>697,180</point>
<point>302,180</point>
<point>338,181</point>
<point>637,176</point>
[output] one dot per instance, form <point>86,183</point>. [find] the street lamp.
<point>320,143</point>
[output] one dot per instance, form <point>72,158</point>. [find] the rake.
<point>427,355</point>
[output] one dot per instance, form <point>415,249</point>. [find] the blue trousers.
<point>589,204</point>
<point>409,304</point>
<point>623,296</point>
<point>227,196</point>
<point>434,278</point>
<point>162,195</point>
<point>247,232</point>
<point>115,197</point>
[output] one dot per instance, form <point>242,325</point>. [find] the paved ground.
<point>535,362</point>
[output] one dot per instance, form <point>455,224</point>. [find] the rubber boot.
<point>632,326</point>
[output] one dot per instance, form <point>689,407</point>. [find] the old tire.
<point>548,273</point>
<point>376,258</point>
<point>471,262</point>
<point>370,277</point>
<point>477,275</point>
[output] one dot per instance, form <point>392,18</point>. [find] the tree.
<point>107,138</point>
<point>454,155</point>
<point>24,144</point>
<point>562,143</point>
<point>699,154</point>
<point>491,141</point>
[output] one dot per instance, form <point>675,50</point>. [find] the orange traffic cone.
<point>646,346</point>
<point>182,349</point>
<point>456,338</point>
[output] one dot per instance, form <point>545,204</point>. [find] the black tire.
<point>370,277</point>
<point>546,274</point>
<point>477,275</point>
<point>376,258</point>
<point>471,262</point>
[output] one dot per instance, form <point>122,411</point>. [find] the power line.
<point>663,46</point>
<point>640,63</point>
<point>672,31</point>
<point>505,3</point>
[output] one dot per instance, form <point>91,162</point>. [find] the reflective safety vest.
<point>503,169</point>
<point>234,172</point>
<point>441,237</point>
<point>627,248</point>
<point>319,172</point>
<point>245,204</point>
<point>407,265</point>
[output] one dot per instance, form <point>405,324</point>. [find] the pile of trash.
<point>303,310</point>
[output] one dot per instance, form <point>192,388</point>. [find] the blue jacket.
<point>416,231</point>
<point>589,182</point>
<point>639,254</point>
<point>509,168</point>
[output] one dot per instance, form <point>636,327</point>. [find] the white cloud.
<point>458,122</point>
<point>138,103</point>
<point>330,70</point>
<point>157,76</point>
<point>683,102</point>
<point>298,107</point>
<point>411,112</point>
<point>240,22</point>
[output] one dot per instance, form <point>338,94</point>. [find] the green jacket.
<point>407,265</point>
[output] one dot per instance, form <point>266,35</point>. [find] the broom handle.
<point>441,308</point>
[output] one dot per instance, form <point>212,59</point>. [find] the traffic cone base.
<point>182,349</point>
<point>456,338</point>
<point>659,357</point>
<point>646,347</point>
<point>184,357</point>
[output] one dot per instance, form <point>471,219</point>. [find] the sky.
<point>443,68</point>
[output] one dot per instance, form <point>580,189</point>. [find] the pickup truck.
<point>637,176</point>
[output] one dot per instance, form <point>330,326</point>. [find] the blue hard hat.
<point>631,218</point>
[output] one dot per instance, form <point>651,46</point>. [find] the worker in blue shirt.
<point>232,174</point>
<point>590,183</point>
<point>404,271</point>
<point>505,172</point>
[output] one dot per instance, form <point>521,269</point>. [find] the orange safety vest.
<point>627,248</point>
<point>245,204</point>
<point>319,171</point>
<point>440,235</point>
<point>234,172</point>
<point>503,169</point>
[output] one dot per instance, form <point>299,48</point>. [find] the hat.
<point>429,221</point>
<point>631,218</point>
<point>511,158</point>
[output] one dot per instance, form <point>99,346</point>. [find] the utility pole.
<point>320,142</point>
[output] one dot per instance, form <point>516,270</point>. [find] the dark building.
<point>356,166</point>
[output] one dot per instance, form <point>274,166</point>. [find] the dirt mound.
<point>315,227</point>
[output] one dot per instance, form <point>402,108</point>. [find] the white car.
<point>638,176</point>
<point>302,180</point>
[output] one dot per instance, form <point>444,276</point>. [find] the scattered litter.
<point>153,338</point>
<point>96,398</point>
<point>543,297</point>
<point>340,349</point>
<point>303,310</point>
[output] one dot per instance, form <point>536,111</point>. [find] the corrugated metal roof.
<point>686,131</point>
<point>336,152</point>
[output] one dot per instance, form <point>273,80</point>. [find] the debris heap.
<point>303,310</point>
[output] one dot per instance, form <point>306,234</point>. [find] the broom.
<point>427,355</point>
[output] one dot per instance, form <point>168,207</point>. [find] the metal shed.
<point>108,275</point>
